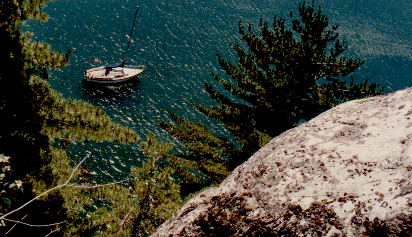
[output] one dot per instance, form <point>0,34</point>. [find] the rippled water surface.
<point>177,40</point>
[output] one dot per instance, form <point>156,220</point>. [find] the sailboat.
<point>117,73</point>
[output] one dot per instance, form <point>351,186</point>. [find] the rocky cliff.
<point>346,172</point>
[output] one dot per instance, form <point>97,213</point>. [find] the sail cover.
<point>114,66</point>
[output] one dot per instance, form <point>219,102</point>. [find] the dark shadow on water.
<point>113,94</point>
<point>393,73</point>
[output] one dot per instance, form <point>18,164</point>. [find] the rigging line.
<point>131,33</point>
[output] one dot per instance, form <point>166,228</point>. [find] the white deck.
<point>114,75</point>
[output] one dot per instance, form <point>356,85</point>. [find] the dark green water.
<point>177,41</point>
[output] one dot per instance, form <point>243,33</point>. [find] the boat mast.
<point>130,37</point>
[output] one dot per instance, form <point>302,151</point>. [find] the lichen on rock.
<point>346,172</point>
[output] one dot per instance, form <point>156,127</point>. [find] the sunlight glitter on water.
<point>177,41</point>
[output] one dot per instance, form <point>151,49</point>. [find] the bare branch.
<point>127,216</point>
<point>37,197</point>
<point>51,232</point>
<point>50,190</point>
<point>81,162</point>
<point>19,222</point>
<point>95,186</point>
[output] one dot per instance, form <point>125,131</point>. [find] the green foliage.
<point>150,198</point>
<point>283,77</point>
<point>207,154</point>
<point>157,193</point>
<point>68,119</point>
<point>33,116</point>
<point>152,195</point>
<point>277,78</point>
<point>20,136</point>
<point>7,185</point>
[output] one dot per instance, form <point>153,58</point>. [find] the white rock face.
<point>346,172</point>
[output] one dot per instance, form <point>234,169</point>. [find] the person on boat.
<point>107,71</point>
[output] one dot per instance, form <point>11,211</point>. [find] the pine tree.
<point>20,136</point>
<point>150,198</point>
<point>37,122</point>
<point>21,59</point>
<point>33,118</point>
<point>206,153</point>
<point>284,76</point>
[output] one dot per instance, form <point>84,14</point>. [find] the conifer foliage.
<point>207,154</point>
<point>34,119</point>
<point>41,193</point>
<point>150,198</point>
<point>21,138</point>
<point>284,75</point>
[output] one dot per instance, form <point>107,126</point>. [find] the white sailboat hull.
<point>115,75</point>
